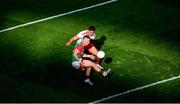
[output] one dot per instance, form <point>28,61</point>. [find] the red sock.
<point>87,77</point>
<point>97,61</point>
<point>101,71</point>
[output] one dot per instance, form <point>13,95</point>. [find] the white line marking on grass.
<point>135,89</point>
<point>60,15</point>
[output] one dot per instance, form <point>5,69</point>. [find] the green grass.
<point>162,93</point>
<point>142,38</point>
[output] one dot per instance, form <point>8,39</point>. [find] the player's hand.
<point>81,62</point>
<point>68,43</point>
<point>92,57</point>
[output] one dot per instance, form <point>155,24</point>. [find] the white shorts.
<point>76,65</point>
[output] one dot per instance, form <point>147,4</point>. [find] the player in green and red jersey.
<point>79,37</point>
<point>78,61</point>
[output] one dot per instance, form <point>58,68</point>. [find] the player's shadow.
<point>100,42</point>
<point>108,60</point>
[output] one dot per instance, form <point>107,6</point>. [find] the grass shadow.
<point>100,42</point>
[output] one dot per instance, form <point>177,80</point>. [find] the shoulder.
<point>93,36</point>
<point>81,33</point>
<point>79,47</point>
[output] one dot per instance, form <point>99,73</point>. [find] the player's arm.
<point>86,55</point>
<point>76,52</point>
<point>71,40</point>
<point>89,56</point>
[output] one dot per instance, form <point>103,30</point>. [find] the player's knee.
<point>90,63</point>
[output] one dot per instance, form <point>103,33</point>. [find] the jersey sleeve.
<point>80,48</point>
<point>80,34</point>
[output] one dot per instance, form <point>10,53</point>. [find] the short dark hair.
<point>86,37</point>
<point>91,28</point>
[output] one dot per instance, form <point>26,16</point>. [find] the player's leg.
<point>88,63</point>
<point>77,65</point>
<point>93,50</point>
<point>88,73</point>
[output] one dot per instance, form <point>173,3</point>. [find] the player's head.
<point>86,40</point>
<point>91,30</point>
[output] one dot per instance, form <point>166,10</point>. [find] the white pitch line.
<point>135,89</point>
<point>55,16</point>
